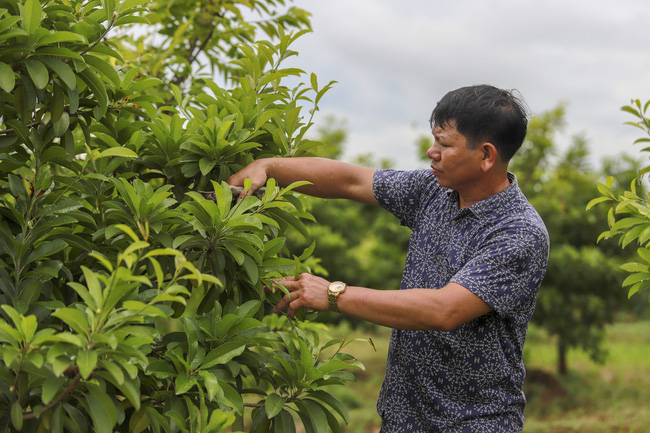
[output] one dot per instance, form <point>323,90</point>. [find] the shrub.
<point>130,301</point>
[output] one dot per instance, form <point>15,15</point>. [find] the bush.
<point>130,301</point>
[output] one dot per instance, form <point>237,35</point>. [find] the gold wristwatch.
<point>333,292</point>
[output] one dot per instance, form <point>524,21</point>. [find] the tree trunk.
<point>561,357</point>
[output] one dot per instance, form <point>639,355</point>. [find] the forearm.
<point>399,309</point>
<point>328,178</point>
<point>441,309</point>
<point>415,309</point>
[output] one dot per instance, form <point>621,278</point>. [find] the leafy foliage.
<point>130,301</point>
<point>578,297</point>
<point>628,216</point>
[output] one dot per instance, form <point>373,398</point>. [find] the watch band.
<point>333,300</point>
<point>333,291</point>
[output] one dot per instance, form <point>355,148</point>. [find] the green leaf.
<point>635,267</point>
<point>86,360</point>
<point>231,397</point>
<point>273,405</point>
<point>21,130</point>
<point>183,383</point>
<point>38,72</point>
<point>60,52</point>
<point>97,87</point>
<point>312,416</point>
<point>17,415</point>
<point>627,222</point>
<point>211,384</point>
<point>334,365</point>
<point>284,423</point>
<point>31,15</point>
<point>644,253</point>
<point>7,77</point>
<point>139,422</point>
<point>46,249</point>
<point>60,126</point>
<point>636,278</point>
<point>331,401</point>
<point>306,358</point>
<point>101,410</point>
<point>74,319</point>
<point>51,387</point>
<point>223,354</point>
<point>61,36</point>
<point>206,165</point>
<point>103,68</point>
<point>58,102</point>
<point>131,392</point>
<point>220,420</point>
<point>118,151</point>
<point>597,200</point>
<point>61,69</point>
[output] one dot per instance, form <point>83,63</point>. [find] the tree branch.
<point>178,78</point>
<point>67,391</point>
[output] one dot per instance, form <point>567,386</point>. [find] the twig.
<point>67,391</point>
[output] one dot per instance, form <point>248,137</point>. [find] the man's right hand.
<point>256,171</point>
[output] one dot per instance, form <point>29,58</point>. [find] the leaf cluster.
<point>130,301</point>
<point>628,214</point>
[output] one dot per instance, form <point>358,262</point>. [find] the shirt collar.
<point>487,205</point>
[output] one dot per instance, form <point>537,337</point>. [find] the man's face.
<point>452,160</point>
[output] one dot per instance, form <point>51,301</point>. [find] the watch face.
<point>336,286</point>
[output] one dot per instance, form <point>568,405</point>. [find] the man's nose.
<point>434,152</point>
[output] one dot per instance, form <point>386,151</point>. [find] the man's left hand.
<point>308,291</point>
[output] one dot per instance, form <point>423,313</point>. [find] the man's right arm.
<point>329,178</point>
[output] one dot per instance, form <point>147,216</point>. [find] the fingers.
<point>305,291</point>
<point>293,298</point>
<point>282,282</point>
<point>255,171</point>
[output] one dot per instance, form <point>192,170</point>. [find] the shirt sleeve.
<point>509,267</point>
<point>400,192</point>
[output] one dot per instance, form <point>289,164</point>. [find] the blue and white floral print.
<point>469,379</point>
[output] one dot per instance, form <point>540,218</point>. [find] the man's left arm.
<point>506,273</point>
<point>417,309</point>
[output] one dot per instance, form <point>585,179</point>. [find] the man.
<point>476,258</point>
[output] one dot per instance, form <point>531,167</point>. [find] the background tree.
<point>628,215</point>
<point>578,296</point>
<point>130,301</point>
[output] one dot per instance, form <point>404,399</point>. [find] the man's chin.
<point>440,177</point>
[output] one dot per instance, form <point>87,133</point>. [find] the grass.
<point>613,397</point>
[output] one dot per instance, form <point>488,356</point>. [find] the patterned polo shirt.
<point>471,378</point>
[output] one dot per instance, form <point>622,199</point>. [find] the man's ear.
<point>489,156</point>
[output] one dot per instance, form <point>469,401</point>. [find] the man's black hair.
<point>484,113</point>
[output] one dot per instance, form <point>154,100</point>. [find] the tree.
<point>129,300</point>
<point>578,297</point>
<point>628,215</point>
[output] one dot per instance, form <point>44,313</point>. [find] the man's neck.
<point>483,189</point>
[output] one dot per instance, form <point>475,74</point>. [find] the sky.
<point>393,60</point>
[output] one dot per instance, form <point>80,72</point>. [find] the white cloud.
<point>394,60</point>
